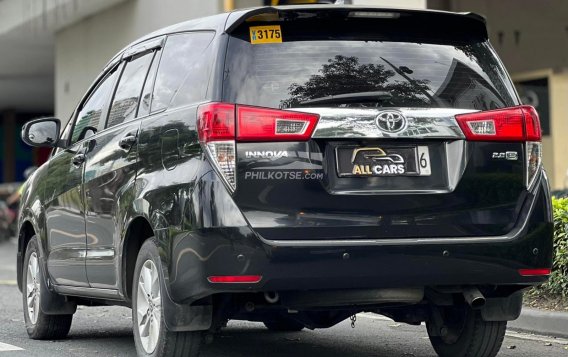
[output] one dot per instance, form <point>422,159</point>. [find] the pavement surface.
<point>8,251</point>
<point>107,331</point>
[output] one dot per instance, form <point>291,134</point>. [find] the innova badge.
<point>391,121</point>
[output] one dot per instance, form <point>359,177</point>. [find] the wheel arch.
<point>137,232</point>
<point>27,229</point>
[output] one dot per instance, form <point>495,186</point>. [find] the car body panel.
<point>65,219</point>
<point>321,264</point>
<point>110,173</point>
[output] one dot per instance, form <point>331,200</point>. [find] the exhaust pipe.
<point>272,297</point>
<point>474,297</point>
<point>249,306</point>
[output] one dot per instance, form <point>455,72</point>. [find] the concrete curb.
<point>541,322</point>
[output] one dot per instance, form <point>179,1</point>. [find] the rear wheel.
<point>461,332</point>
<point>39,325</point>
<point>151,336</point>
<point>283,324</point>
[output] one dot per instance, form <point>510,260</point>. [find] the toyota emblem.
<point>391,121</point>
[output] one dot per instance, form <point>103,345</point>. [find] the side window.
<point>125,101</point>
<point>146,98</point>
<point>92,110</point>
<point>184,70</point>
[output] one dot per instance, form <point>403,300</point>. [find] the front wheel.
<point>151,336</point>
<point>461,332</point>
<point>39,325</point>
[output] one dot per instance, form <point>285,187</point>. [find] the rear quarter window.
<point>183,73</point>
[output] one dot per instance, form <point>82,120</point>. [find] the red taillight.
<point>216,121</point>
<point>510,124</point>
<point>534,272</point>
<point>221,125</point>
<point>532,123</point>
<point>519,124</point>
<point>216,132</point>
<point>262,124</point>
<point>231,279</point>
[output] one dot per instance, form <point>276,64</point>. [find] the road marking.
<point>4,347</point>
<point>509,333</point>
<point>372,316</point>
<point>8,282</point>
<point>538,338</point>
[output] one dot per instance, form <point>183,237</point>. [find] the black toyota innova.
<point>293,166</point>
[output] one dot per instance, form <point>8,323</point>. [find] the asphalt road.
<point>107,331</point>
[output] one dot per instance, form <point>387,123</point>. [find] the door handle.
<point>78,159</point>
<point>127,142</point>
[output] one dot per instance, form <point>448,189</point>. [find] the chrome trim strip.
<point>93,293</point>
<point>423,123</point>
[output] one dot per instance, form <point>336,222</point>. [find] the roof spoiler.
<point>268,13</point>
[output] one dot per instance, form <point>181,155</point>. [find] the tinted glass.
<point>410,74</point>
<point>92,110</point>
<point>184,70</point>
<point>128,91</point>
<point>146,98</point>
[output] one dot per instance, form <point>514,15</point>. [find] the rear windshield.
<point>464,75</point>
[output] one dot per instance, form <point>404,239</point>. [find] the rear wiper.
<point>356,97</point>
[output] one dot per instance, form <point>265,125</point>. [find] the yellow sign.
<point>265,34</point>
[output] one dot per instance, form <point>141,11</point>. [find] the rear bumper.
<point>396,263</point>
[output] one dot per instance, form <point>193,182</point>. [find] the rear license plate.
<point>383,161</point>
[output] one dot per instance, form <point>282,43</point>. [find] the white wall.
<point>82,49</point>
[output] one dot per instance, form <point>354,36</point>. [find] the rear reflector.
<point>231,279</point>
<point>534,272</point>
<point>510,124</point>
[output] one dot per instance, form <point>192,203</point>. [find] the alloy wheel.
<point>149,306</point>
<point>32,288</point>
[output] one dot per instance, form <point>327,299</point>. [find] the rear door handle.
<point>127,142</point>
<point>78,159</point>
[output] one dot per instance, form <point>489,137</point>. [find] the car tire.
<point>39,325</point>
<point>283,324</point>
<point>467,334</point>
<point>151,335</point>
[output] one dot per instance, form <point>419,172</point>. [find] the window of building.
<point>184,70</point>
<point>125,101</point>
<point>92,110</point>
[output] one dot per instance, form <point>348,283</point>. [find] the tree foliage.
<point>343,74</point>
<point>557,285</point>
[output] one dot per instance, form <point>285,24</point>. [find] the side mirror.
<point>42,132</point>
